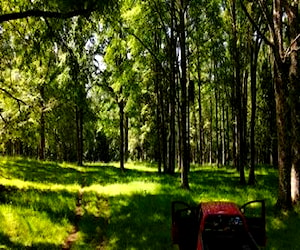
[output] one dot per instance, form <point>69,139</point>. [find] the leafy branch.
<point>19,101</point>
<point>44,14</point>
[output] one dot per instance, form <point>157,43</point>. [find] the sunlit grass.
<point>41,186</point>
<point>25,227</point>
<point>120,210</point>
<point>125,188</point>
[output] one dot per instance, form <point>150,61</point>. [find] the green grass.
<point>120,210</point>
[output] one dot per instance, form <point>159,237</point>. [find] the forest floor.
<point>48,205</point>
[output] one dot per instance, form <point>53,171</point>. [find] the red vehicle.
<point>219,225</point>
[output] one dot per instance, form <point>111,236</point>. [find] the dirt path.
<point>72,237</point>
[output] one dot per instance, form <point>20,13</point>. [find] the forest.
<point>175,82</point>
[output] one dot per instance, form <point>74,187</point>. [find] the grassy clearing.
<point>128,210</point>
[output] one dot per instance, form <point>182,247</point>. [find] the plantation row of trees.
<point>172,81</point>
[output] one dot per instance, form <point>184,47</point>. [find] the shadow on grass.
<point>57,204</point>
<point>283,230</point>
<point>40,172</point>
<point>105,175</point>
<point>6,243</point>
<point>37,218</point>
<point>141,221</point>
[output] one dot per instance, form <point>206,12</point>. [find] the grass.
<point>119,210</point>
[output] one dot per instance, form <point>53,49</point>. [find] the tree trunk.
<point>121,126</point>
<point>200,116</point>
<point>223,134</point>
<point>273,125</point>
<point>211,133</point>
<point>163,131</point>
<point>126,130</point>
<point>294,76</point>
<point>172,154</point>
<point>284,139</point>
<point>253,67</point>
<point>227,136</point>
<point>184,106</point>
<point>283,112</point>
<point>244,148</point>
<point>158,124</point>
<point>217,127</point>
<point>238,96</point>
<point>157,81</point>
<point>79,128</point>
<point>42,125</point>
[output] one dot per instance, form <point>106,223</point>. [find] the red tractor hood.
<point>219,207</point>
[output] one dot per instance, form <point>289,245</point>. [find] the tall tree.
<point>285,73</point>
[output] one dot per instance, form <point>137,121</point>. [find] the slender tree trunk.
<point>227,136</point>
<point>273,121</point>
<point>158,123</point>
<point>157,81</point>
<point>172,154</point>
<point>184,104</point>
<point>217,127</point>
<point>253,68</point>
<point>211,134</point>
<point>164,132</point>
<point>42,125</point>
<point>179,123</point>
<point>223,134</point>
<point>244,149</point>
<point>254,50</point>
<point>294,76</point>
<point>195,137</point>
<point>200,115</point>
<point>158,128</point>
<point>126,130</point>
<point>79,128</point>
<point>42,135</point>
<point>238,96</point>
<point>121,124</point>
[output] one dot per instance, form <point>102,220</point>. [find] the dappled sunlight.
<point>125,188</point>
<point>283,230</point>
<point>27,227</point>
<point>140,221</point>
<point>142,166</point>
<point>40,172</point>
<point>20,184</point>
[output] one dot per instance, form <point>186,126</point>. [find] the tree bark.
<point>42,125</point>
<point>244,148</point>
<point>284,139</point>
<point>121,126</point>
<point>157,81</point>
<point>217,127</point>
<point>79,129</point>
<point>294,76</point>
<point>172,154</point>
<point>238,95</point>
<point>200,113</point>
<point>223,134</point>
<point>211,133</point>
<point>184,106</point>
<point>253,68</point>
<point>126,137</point>
<point>283,111</point>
